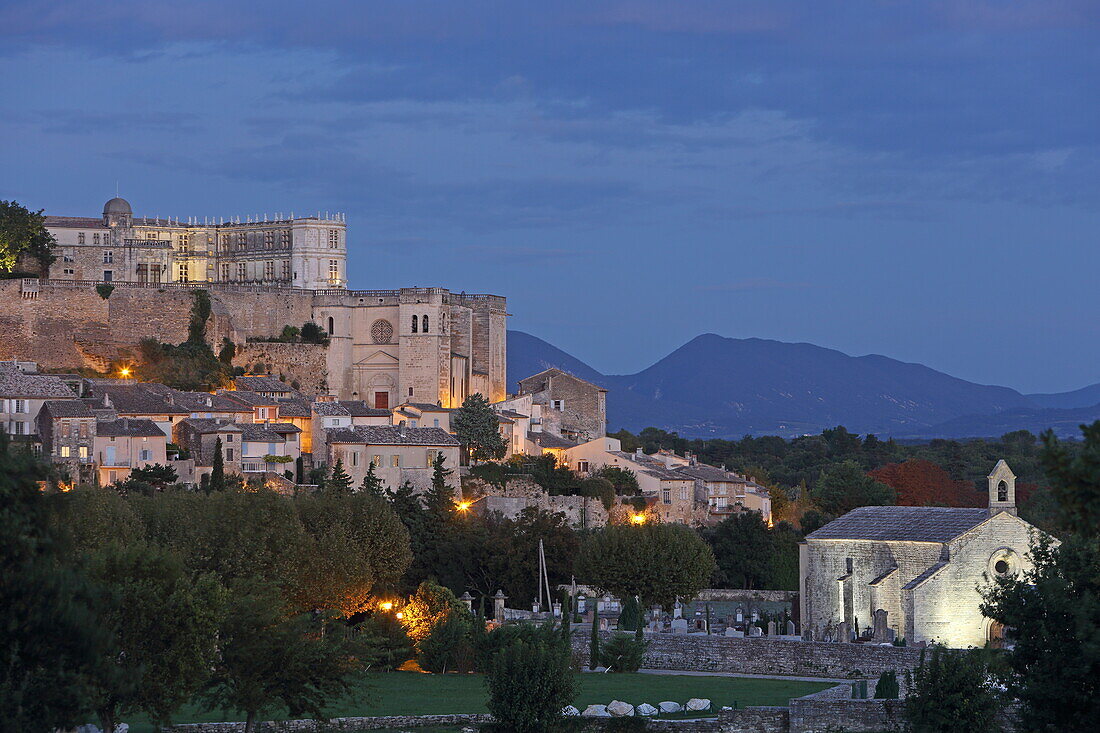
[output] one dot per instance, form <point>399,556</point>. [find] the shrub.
<point>951,691</point>
<point>104,290</point>
<point>529,680</point>
<point>887,686</point>
<point>447,645</point>
<point>623,653</point>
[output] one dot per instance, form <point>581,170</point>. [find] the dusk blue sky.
<point>915,179</point>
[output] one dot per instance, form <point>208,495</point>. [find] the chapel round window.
<point>381,331</point>
<point>1001,566</point>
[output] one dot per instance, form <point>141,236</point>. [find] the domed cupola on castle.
<point>117,213</point>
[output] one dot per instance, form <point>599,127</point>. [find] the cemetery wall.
<point>726,595</point>
<point>702,653</point>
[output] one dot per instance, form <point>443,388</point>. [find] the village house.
<point>399,453</point>
<point>264,409</point>
<point>22,394</point>
<point>886,572</point>
<point>137,401</point>
<point>122,445</point>
<point>199,436</point>
<point>726,492</point>
<point>269,447</point>
<point>422,415</point>
<point>571,407</point>
<point>670,495</point>
<point>266,386</point>
<point>66,429</point>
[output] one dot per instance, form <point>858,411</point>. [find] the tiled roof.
<point>651,466</point>
<point>206,402</point>
<point>549,440</point>
<point>554,372</point>
<point>514,415</point>
<point>901,524</point>
<point>74,222</point>
<point>211,425</point>
<point>262,384</point>
<point>358,408</point>
<point>294,408</point>
<point>261,432</point>
<point>67,408</point>
<point>425,407</point>
<point>505,420</point>
<point>251,399</point>
<point>137,399</point>
<point>15,383</point>
<point>391,435</point>
<point>283,427</point>
<point>331,409</point>
<point>710,473</point>
<point>129,427</point>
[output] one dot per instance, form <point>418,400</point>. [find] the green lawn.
<point>411,693</point>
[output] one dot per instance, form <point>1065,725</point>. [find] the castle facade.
<point>386,347</point>
<point>303,252</point>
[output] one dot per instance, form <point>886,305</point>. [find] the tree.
<point>164,623</point>
<point>49,632</point>
<point>372,485</point>
<point>439,498</point>
<point>920,482</point>
<point>529,679</point>
<point>623,653</point>
<point>1052,611</point>
<point>656,562</point>
<point>630,617</point>
<point>950,691</point>
<point>447,645</point>
<point>339,482</point>
<point>156,474</point>
<point>269,660</point>
<point>217,470</point>
<point>622,479</point>
<point>311,333</point>
<point>227,351</point>
<point>355,545</point>
<point>476,427</point>
<point>743,550</point>
<point>887,687</point>
<point>289,334</point>
<point>594,641</point>
<point>23,232</point>
<point>844,486</point>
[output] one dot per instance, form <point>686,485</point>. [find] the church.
<point>913,572</point>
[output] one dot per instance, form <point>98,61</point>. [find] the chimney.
<point>401,428</point>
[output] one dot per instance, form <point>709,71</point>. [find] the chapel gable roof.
<point>901,524</point>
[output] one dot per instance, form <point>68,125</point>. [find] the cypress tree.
<point>371,485</point>
<point>340,481</point>
<point>567,618</point>
<point>217,470</point>
<point>594,642</point>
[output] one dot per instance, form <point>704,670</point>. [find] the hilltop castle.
<point>386,347</point>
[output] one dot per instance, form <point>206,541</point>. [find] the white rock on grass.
<point>670,707</point>
<point>620,709</point>
<point>646,709</point>
<point>696,704</point>
<point>596,711</point>
<point>570,712</point>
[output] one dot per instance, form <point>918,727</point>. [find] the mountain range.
<point>718,387</point>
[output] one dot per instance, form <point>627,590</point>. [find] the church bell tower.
<point>1002,489</point>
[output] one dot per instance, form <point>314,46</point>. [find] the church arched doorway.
<point>995,635</point>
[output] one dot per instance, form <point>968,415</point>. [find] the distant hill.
<point>721,387</point>
<point>1084,397</point>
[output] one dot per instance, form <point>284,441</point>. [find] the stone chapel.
<point>913,572</point>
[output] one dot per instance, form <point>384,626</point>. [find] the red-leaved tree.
<point>923,483</point>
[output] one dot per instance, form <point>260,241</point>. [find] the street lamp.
<point>637,518</point>
<point>124,372</point>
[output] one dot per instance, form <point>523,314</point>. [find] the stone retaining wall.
<point>734,595</point>
<point>702,653</point>
<point>336,724</point>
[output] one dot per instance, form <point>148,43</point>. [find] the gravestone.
<point>734,633</point>
<point>603,624</point>
<point>679,626</point>
<point>843,632</point>
<point>755,631</point>
<point>556,609</point>
<point>677,609</point>
<point>880,627</point>
<point>771,628</point>
<point>740,615</point>
<point>791,630</point>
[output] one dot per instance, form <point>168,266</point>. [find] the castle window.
<point>183,272</point>
<point>414,324</point>
<point>242,271</point>
<point>1002,491</point>
<point>286,270</point>
<point>334,270</point>
<point>284,239</point>
<point>150,235</point>
<point>424,323</point>
<point>269,240</point>
<point>95,238</point>
<point>269,270</point>
<point>80,237</point>
<point>331,325</point>
<point>334,239</point>
<point>242,240</point>
<point>108,256</point>
<point>225,272</point>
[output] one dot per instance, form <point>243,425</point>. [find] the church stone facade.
<point>913,572</point>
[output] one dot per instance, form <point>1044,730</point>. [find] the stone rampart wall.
<point>302,364</point>
<point>702,653</point>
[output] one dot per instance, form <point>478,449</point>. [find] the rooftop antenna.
<point>116,188</point>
